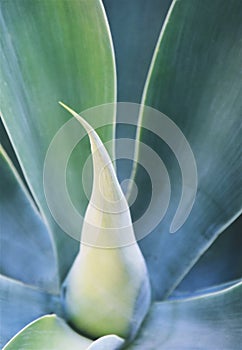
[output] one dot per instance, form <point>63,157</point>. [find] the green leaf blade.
<point>50,333</point>
<point>27,254</point>
<point>53,50</point>
<point>205,322</point>
<point>109,270</point>
<point>211,269</point>
<point>134,40</point>
<point>21,304</point>
<point>195,79</point>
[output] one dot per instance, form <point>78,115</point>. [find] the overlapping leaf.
<point>109,270</point>
<point>222,262</point>
<point>135,27</point>
<point>134,39</point>
<point>26,251</point>
<point>53,50</point>
<point>195,79</point>
<point>21,304</point>
<point>52,333</point>
<point>211,321</point>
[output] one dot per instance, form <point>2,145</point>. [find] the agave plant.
<point>165,291</point>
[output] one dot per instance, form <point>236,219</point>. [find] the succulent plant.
<point>109,289</point>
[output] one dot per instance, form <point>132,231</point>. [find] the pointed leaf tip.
<point>122,298</point>
<point>107,197</point>
<point>86,126</point>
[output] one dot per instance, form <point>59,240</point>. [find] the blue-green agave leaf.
<point>48,333</point>
<point>21,304</point>
<point>6,144</point>
<point>26,251</point>
<point>221,263</point>
<point>177,294</point>
<point>195,79</point>
<point>134,41</point>
<point>53,50</point>
<point>108,342</point>
<point>211,321</point>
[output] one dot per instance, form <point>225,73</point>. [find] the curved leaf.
<point>53,50</point>
<point>207,322</point>
<point>107,289</point>
<point>195,79</point>
<point>48,333</point>
<point>52,333</point>
<point>221,263</point>
<point>215,288</point>
<point>134,41</point>
<point>5,142</point>
<point>21,304</point>
<point>108,342</point>
<point>26,251</point>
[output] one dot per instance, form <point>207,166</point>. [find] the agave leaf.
<point>107,289</point>
<point>53,50</point>
<point>108,342</point>
<point>21,304</point>
<point>134,39</point>
<point>205,322</point>
<point>215,288</point>
<point>26,251</point>
<point>50,333</point>
<point>6,144</point>
<point>221,262</point>
<point>195,79</point>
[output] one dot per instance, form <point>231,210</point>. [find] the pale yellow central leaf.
<point>107,289</point>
